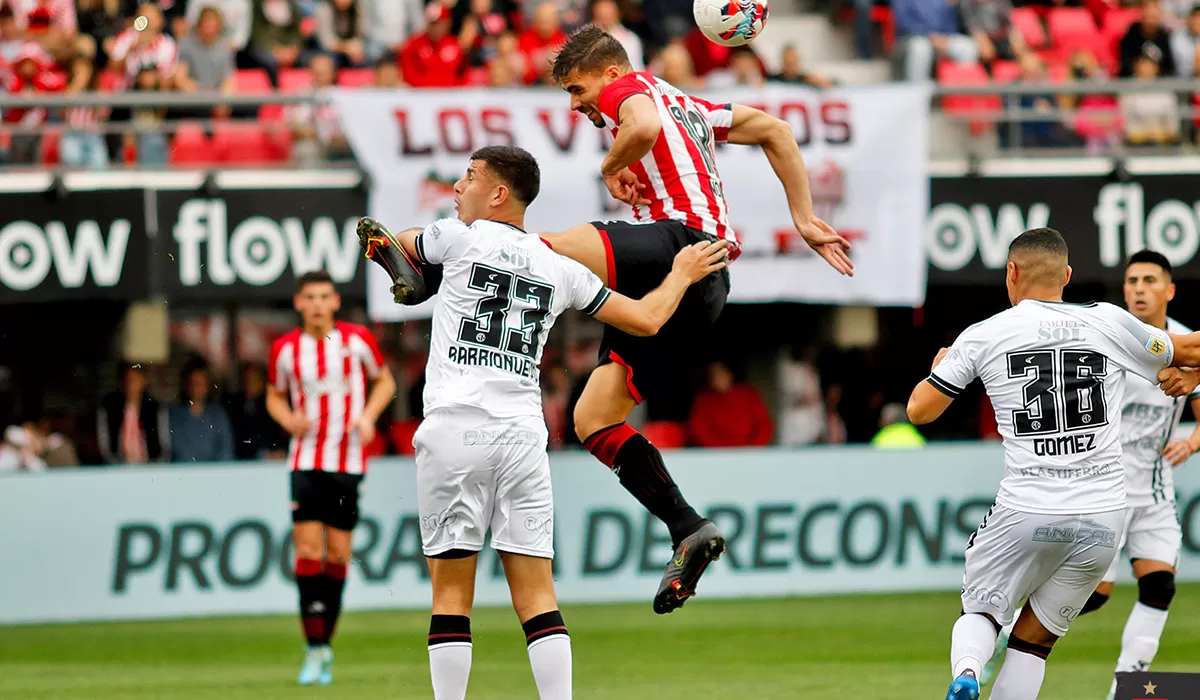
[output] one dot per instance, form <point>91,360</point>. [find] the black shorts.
<point>639,257</point>
<point>326,497</point>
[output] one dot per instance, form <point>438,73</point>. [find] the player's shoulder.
<point>286,340</point>
<point>354,330</point>
<point>442,227</point>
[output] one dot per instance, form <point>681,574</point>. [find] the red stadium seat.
<point>1071,29</point>
<point>50,147</point>
<point>295,80</point>
<point>356,77</point>
<point>477,77</point>
<point>242,144</point>
<point>665,434</point>
<point>1005,71</point>
<point>252,81</point>
<point>401,434</point>
<point>192,147</point>
<point>1116,23</point>
<point>879,15</point>
<point>270,113</point>
<point>279,143</point>
<point>1027,21</point>
<point>952,73</point>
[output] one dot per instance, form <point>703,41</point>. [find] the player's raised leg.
<point>452,575</point>
<point>531,581</point>
<point>585,245</point>
<point>309,541</point>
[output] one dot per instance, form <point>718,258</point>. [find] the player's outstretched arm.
<point>753,127</point>
<point>647,315</point>
<point>928,402</point>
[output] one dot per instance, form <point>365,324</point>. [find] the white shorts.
<point>476,473</point>
<point>1055,561</point>
<point>1151,532</point>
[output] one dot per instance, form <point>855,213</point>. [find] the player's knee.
<point>587,421</point>
<point>1094,603</point>
<point>306,549</point>
<point>1156,589</point>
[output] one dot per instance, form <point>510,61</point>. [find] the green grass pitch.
<point>880,647</point>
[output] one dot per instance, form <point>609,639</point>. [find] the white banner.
<point>125,543</point>
<point>865,147</point>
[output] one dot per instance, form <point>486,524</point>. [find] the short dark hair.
<point>515,167</point>
<point>1151,257</point>
<point>1039,240</point>
<point>312,277</point>
<point>590,48</point>
<point>1041,255</point>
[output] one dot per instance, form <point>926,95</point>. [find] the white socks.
<point>450,656</point>
<point>1021,677</point>
<point>549,655</point>
<point>1139,641</point>
<point>971,644</point>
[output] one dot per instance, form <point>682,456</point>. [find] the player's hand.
<point>625,187</point>
<point>1178,451</point>
<point>698,260</point>
<point>1178,381</point>
<point>938,359</point>
<point>830,245</point>
<point>297,425</point>
<point>366,430</point>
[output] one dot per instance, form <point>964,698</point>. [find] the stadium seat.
<point>251,81</point>
<point>295,80</point>
<point>401,434</point>
<point>879,15</point>
<point>242,144</point>
<point>50,146</point>
<point>665,434</point>
<point>477,77</point>
<point>270,113</point>
<point>1071,29</point>
<point>952,73</point>
<point>279,143</point>
<point>1027,21</point>
<point>1116,23</point>
<point>192,147</point>
<point>1005,71</point>
<point>356,77</point>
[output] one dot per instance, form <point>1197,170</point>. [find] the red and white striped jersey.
<point>60,14</point>
<point>680,171</point>
<point>327,379</point>
<point>161,52</point>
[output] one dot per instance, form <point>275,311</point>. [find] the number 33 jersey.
<point>1055,374</point>
<point>501,291</point>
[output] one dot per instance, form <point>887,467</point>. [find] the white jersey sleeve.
<point>443,240</point>
<point>585,290</point>
<point>1137,347</point>
<point>960,365</point>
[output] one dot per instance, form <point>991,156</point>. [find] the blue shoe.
<point>326,666</point>
<point>965,687</point>
<point>314,666</point>
<point>989,671</point>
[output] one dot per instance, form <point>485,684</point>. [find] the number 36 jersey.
<point>501,291</point>
<point>1055,374</point>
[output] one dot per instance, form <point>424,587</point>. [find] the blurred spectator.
<point>1150,117</point>
<point>1097,117</point>
<point>12,40</point>
<point>391,22</point>
<point>569,15</point>
<point>1042,125</point>
<point>509,66</point>
<point>1147,31</point>
<point>835,427</point>
<point>256,434</point>
<point>53,24</point>
<point>147,49</point>
<point>206,60</point>
<point>53,447</point>
<point>200,430</point>
<point>674,65</point>
<point>31,74</point>
<point>541,41</point>
<point>434,57</point>
<point>131,427</point>
<point>728,414</point>
<point>100,22</point>
<point>82,143</point>
<point>387,73</point>
<point>316,127</point>
<point>926,31</point>
<point>555,396</point>
<point>237,17</point>
<point>801,404</point>
<point>341,30</point>
<point>275,38</point>
<point>792,71</point>
<point>895,432</point>
<point>148,136</point>
<point>607,16</point>
<point>989,22</point>
<point>1185,46</point>
<point>747,71</point>
<point>18,451</point>
<point>480,30</point>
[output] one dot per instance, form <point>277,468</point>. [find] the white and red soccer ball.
<point>730,22</point>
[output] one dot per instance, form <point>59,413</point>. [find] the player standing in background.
<point>663,163</point>
<point>481,450</point>
<point>1055,373</point>
<point>328,386</point>
<point>1153,538</point>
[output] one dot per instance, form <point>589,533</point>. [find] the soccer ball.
<point>730,22</point>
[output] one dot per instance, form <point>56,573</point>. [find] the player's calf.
<point>1143,630</point>
<point>549,648</point>
<point>450,655</point>
<point>1023,672</point>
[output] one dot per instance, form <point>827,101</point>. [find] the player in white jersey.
<point>1153,538</point>
<point>481,449</point>
<point>1055,374</point>
<point>328,385</point>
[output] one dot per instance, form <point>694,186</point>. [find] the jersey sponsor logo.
<point>1076,531</point>
<point>1066,473</point>
<point>1060,333</point>
<point>437,521</point>
<point>1156,346</point>
<point>1064,445</point>
<point>28,252</point>
<point>328,385</point>
<point>1145,413</point>
<point>994,599</point>
<point>500,436</point>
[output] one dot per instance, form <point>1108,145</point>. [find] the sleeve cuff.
<point>944,386</point>
<point>420,245</point>
<point>597,302</point>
